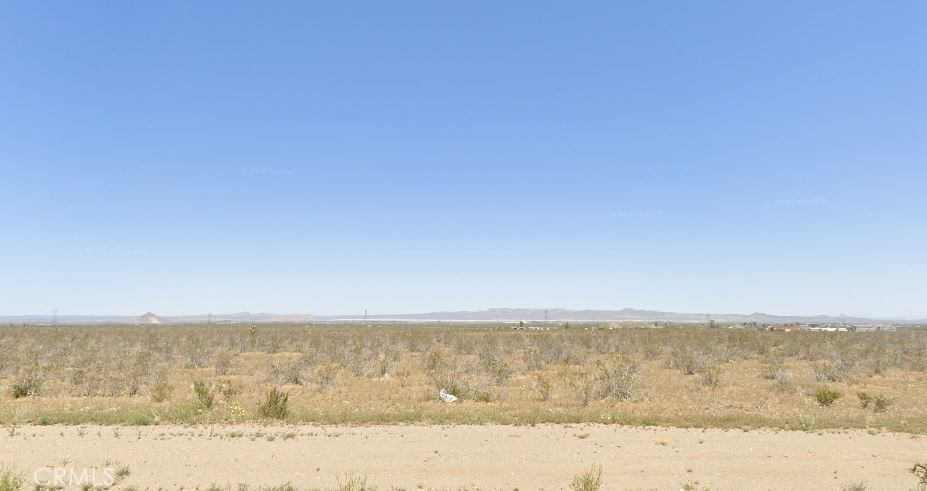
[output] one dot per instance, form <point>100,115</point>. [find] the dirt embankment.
<point>484,457</point>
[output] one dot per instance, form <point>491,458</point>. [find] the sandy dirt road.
<point>471,457</point>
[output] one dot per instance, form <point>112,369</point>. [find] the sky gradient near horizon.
<point>327,157</point>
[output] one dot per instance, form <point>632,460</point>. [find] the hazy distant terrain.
<point>505,314</point>
<point>153,318</point>
<point>494,314</point>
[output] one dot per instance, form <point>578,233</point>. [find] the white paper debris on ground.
<point>446,396</point>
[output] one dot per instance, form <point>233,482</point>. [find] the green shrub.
<point>711,378</point>
<point>161,391</point>
<point>688,360</point>
<point>434,360</point>
<point>827,397</point>
<point>276,406</point>
<point>325,375</point>
<point>590,480</point>
<point>478,395</point>
<point>27,385</point>
<point>542,385</point>
<point>616,378</point>
<point>10,480</point>
<point>203,396</point>
<point>532,358</point>
<point>769,372</point>
<point>879,403</point>
<point>499,371</point>
<point>454,385</point>
<point>450,383</point>
<point>583,388</point>
<point>353,483</point>
<point>223,362</point>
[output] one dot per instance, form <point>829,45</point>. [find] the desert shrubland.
<point>328,372</point>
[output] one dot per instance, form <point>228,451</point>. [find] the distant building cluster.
<point>834,328</point>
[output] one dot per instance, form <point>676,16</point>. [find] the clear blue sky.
<point>324,157</point>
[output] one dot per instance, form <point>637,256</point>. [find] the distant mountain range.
<point>496,314</point>
<point>505,314</point>
<point>152,318</point>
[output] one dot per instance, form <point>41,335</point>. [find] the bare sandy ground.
<point>483,457</point>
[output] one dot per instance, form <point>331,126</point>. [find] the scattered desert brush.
<point>344,373</point>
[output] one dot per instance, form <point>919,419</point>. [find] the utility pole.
<point>365,315</point>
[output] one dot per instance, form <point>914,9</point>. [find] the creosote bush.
<point>27,387</point>
<point>710,378</point>
<point>785,381</point>
<point>287,373</point>
<point>583,388</point>
<point>276,406</point>
<point>325,375</point>
<point>689,360</point>
<point>878,403</point>
<point>460,385</point>
<point>223,362</point>
<point>435,360</point>
<point>616,378</point>
<point>827,397</point>
<point>609,378</point>
<point>542,386</point>
<point>28,383</point>
<point>833,372</point>
<point>498,371</point>
<point>203,396</point>
<point>161,391</point>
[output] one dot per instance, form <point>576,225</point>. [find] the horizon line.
<point>53,314</point>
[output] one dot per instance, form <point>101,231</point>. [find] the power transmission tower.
<point>54,317</point>
<point>365,315</point>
